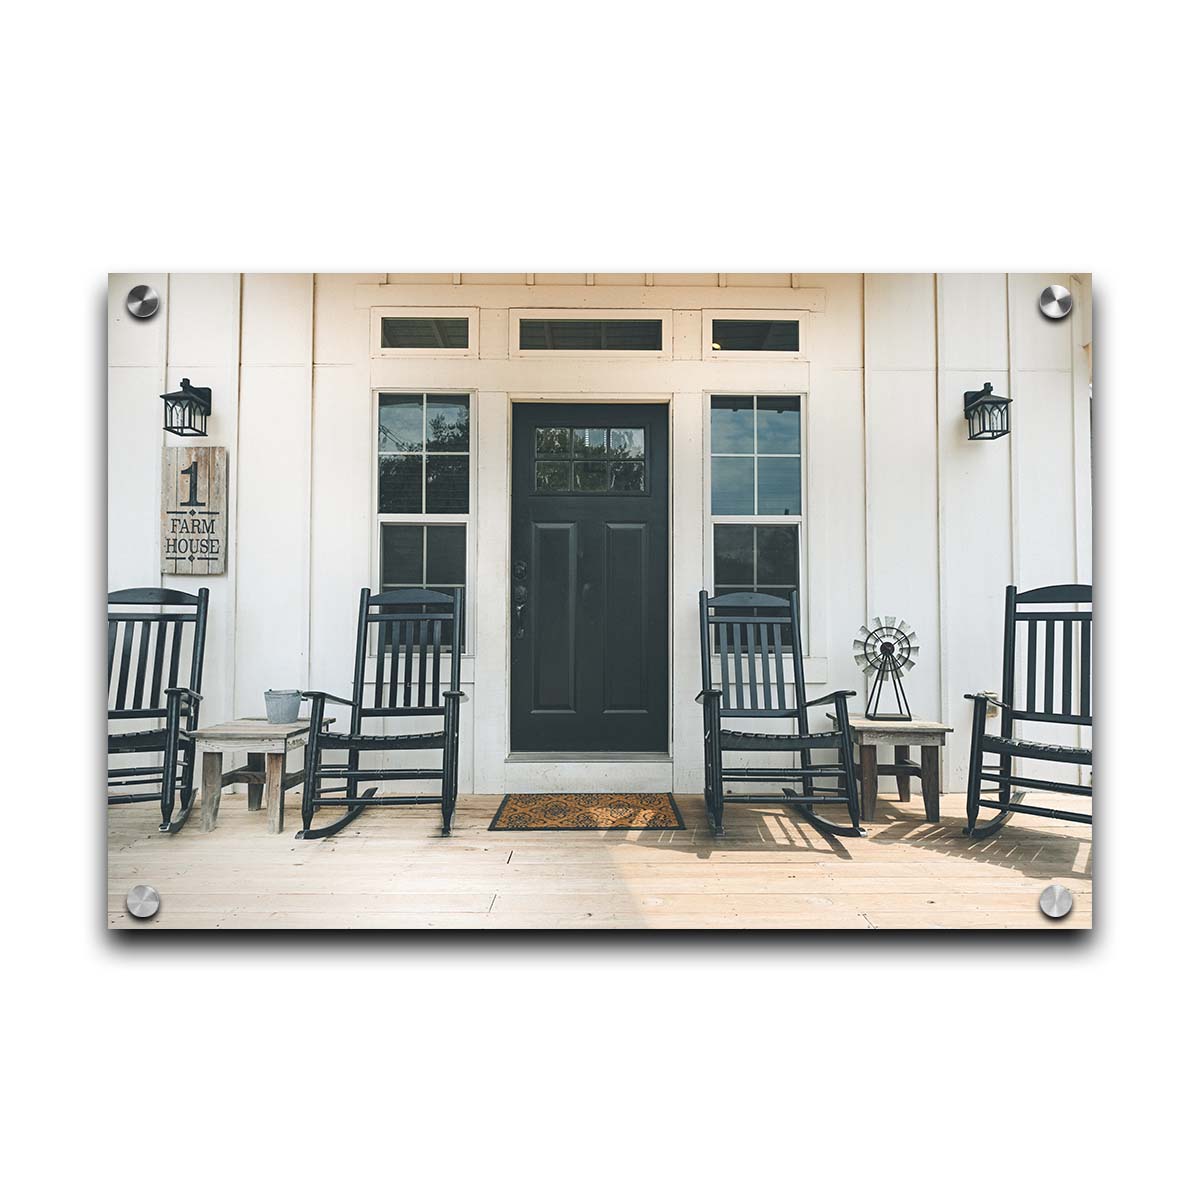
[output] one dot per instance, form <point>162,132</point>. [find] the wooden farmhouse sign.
<point>195,510</point>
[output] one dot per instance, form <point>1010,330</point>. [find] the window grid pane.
<point>590,459</point>
<point>424,452</point>
<point>755,455</point>
<point>424,556</point>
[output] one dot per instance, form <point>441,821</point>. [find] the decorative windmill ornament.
<point>889,648</point>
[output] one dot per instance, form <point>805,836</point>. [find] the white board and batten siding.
<point>904,515</point>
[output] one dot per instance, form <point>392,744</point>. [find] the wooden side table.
<point>258,739</point>
<point>868,736</point>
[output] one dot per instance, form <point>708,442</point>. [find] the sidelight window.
<point>423,491</point>
<point>756,493</point>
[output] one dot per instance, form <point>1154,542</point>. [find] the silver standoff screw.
<point>142,901</point>
<point>1056,901</point>
<point>1055,301</point>
<point>142,301</point>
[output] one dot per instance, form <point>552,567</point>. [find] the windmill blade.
<point>860,660</point>
<point>863,632</point>
<point>876,623</point>
<point>890,622</point>
<point>905,628</point>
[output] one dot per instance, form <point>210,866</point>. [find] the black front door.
<point>589,577</point>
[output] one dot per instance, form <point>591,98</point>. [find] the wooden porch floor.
<point>391,870</point>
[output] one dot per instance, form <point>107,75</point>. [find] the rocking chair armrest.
<point>977,696</point>
<point>183,691</point>
<point>841,693</point>
<point>328,696</point>
<point>458,695</point>
<point>705,693</point>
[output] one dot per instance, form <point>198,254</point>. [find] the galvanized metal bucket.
<point>283,707</point>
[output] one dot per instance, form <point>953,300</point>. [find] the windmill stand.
<point>868,735</point>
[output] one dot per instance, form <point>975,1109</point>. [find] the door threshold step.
<point>582,756</point>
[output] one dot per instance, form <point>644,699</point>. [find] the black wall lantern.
<point>986,413</point>
<point>186,411</point>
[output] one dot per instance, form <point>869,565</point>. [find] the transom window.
<point>424,452</point>
<point>762,336</point>
<point>424,333</point>
<point>596,334</point>
<point>593,460</point>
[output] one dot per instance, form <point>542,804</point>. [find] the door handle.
<point>519,621</point>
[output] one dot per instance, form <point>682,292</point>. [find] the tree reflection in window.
<point>424,461</point>
<point>590,460</point>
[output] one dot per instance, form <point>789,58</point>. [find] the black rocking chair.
<point>156,638</point>
<point>746,630</point>
<point>414,627</point>
<point>1054,648</point>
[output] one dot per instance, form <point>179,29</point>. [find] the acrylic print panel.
<point>591,499</point>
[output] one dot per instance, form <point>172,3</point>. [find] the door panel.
<point>551,621</point>
<point>625,618</point>
<point>589,577</point>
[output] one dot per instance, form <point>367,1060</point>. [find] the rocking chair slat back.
<point>1054,646</point>
<point>414,628</point>
<point>147,629</point>
<point>745,633</point>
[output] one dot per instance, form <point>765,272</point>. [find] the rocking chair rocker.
<point>1065,702</point>
<point>414,628</point>
<point>147,649</point>
<point>747,630</point>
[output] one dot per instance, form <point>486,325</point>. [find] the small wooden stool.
<point>868,736</point>
<point>258,739</point>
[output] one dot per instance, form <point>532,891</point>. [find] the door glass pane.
<point>627,443</point>
<point>628,477</point>
<point>778,557</point>
<point>591,443</point>
<point>400,422</point>
<point>778,486</point>
<point>733,424</point>
<point>446,419</point>
<point>445,555</point>
<point>733,556</point>
<point>401,558</point>
<point>553,477</point>
<point>779,424</point>
<point>446,483</point>
<point>733,485</point>
<point>591,477</point>
<point>553,442</point>
<point>400,483</point>
<point>424,333</point>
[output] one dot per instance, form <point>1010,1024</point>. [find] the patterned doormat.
<point>578,811</point>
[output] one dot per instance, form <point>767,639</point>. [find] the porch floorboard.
<point>392,870</point>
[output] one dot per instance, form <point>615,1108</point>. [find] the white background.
<point>614,137</point>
